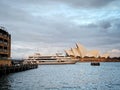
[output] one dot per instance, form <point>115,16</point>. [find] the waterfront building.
<point>93,53</point>
<point>75,52</point>
<point>69,53</point>
<point>82,52</point>
<point>105,55</point>
<point>5,47</point>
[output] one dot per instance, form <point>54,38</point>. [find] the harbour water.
<point>79,76</point>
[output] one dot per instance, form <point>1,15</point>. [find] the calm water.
<point>80,76</point>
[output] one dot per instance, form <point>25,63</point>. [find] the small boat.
<point>95,63</point>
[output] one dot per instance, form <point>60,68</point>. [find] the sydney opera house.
<point>81,52</point>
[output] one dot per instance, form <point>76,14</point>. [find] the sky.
<point>50,26</point>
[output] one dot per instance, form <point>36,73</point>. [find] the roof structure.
<point>69,52</point>
<point>81,51</point>
<point>93,53</point>
<point>106,55</point>
<point>75,52</point>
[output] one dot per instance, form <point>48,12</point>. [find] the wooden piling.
<point>12,69</point>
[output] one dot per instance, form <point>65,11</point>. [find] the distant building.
<point>5,46</point>
<point>106,55</point>
<point>82,52</point>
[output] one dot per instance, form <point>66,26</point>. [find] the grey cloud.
<point>87,3</point>
<point>14,15</point>
<point>97,35</point>
<point>64,31</point>
<point>58,31</point>
<point>74,3</point>
<point>105,25</point>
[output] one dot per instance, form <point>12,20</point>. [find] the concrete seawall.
<point>99,60</point>
<point>12,69</point>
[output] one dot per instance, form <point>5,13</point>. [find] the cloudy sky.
<point>50,26</point>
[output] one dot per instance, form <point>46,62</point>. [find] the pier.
<point>16,68</point>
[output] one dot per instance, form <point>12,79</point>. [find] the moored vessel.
<point>37,58</point>
<point>95,63</point>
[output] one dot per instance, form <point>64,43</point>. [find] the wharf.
<point>12,69</point>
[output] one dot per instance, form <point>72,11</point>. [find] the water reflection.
<point>4,83</point>
<point>80,76</point>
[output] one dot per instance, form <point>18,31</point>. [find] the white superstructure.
<point>38,59</point>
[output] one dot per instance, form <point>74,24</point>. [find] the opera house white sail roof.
<point>106,55</point>
<point>75,52</point>
<point>81,51</point>
<point>69,52</point>
<point>93,53</point>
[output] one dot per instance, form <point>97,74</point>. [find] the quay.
<point>4,70</point>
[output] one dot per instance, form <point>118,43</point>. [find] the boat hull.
<point>56,63</point>
<point>95,64</point>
